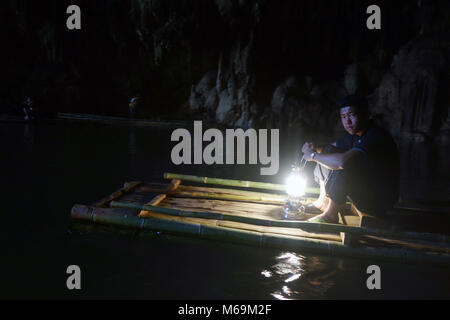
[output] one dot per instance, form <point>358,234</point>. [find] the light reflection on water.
<point>290,268</point>
<point>295,276</point>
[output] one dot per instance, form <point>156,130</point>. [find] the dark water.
<point>47,168</point>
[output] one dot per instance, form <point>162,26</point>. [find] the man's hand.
<point>307,149</point>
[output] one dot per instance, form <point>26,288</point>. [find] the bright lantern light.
<point>295,185</point>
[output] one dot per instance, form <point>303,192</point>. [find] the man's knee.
<point>321,173</point>
<point>337,186</point>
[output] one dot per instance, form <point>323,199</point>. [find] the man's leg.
<point>330,214</point>
<point>322,201</point>
<point>321,175</point>
<point>355,182</point>
<point>336,191</point>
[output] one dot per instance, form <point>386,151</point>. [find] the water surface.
<point>48,168</point>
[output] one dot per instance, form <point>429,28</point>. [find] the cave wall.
<point>248,63</point>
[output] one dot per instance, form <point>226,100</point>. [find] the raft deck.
<point>256,218</point>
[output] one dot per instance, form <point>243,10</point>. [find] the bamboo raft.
<point>122,120</point>
<point>229,213</point>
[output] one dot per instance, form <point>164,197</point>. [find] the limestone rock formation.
<point>244,63</point>
<point>413,96</point>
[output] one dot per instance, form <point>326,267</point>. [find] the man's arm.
<point>334,161</point>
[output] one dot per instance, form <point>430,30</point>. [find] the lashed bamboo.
<point>118,193</point>
<point>234,183</point>
<point>215,193</point>
<point>98,214</point>
<point>151,185</point>
<point>191,189</point>
<point>420,245</point>
<point>123,218</point>
<point>319,227</point>
<point>154,202</point>
<point>174,184</point>
<point>275,197</point>
<point>230,191</point>
<point>209,195</point>
<point>184,191</point>
<point>255,210</point>
<point>263,198</point>
<point>247,227</point>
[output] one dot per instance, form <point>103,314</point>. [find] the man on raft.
<point>362,166</point>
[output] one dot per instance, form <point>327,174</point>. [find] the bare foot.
<point>330,213</point>
<point>321,204</point>
<point>329,218</point>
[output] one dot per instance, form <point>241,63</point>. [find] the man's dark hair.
<point>356,101</point>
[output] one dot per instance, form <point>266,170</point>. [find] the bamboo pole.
<point>212,195</point>
<point>193,189</point>
<point>225,194</point>
<point>125,189</point>
<point>174,184</point>
<point>207,195</point>
<point>318,227</point>
<point>234,183</point>
<point>230,191</point>
<point>215,193</point>
<point>247,227</point>
<point>154,202</point>
<point>262,199</point>
<point>260,239</point>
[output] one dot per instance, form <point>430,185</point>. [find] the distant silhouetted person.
<point>29,109</point>
<point>133,106</point>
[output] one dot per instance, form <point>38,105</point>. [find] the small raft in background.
<point>229,213</point>
<point>97,119</point>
